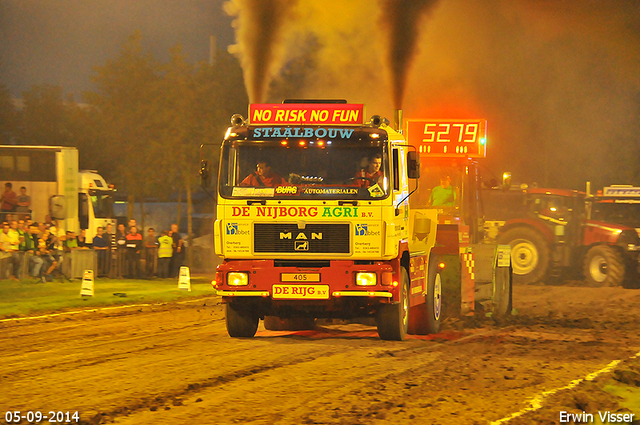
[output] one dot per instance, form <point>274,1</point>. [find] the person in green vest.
<point>443,195</point>
<point>165,251</point>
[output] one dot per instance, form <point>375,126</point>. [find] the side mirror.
<point>413,165</point>
<point>506,180</point>
<point>205,174</point>
<point>57,207</point>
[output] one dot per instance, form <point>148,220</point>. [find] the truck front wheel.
<point>393,319</point>
<point>529,254</point>
<point>604,266</point>
<point>240,322</point>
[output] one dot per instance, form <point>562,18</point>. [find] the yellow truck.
<point>314,221</point>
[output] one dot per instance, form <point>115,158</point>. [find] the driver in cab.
<point>370,175</point>
<point>263,177</point>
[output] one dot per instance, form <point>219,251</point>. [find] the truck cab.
<point>95,202</point>
<point>314,221</point>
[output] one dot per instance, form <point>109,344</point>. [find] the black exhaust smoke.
<point>259,30</point>
<point>402,19</point>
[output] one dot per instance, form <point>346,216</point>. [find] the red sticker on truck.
<point>310,114</point>
<point>295,292</point>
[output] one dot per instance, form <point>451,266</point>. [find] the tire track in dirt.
<point>195,388</point>
<point>178,361</point>
<point>413,384</point>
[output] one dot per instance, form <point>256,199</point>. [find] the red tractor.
<point>564,233</point>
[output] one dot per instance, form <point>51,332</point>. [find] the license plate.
<point>296,292</point>
<point>299,277</point>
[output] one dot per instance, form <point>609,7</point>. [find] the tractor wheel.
<point>502,291</point>
<point>604,266</point>
<point>425,318</point>
<point>393,319</point>
<point>274,323</point>
<point>240,322</point>
<point>529,254</point>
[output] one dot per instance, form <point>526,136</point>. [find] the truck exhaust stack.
<point>397,120</point>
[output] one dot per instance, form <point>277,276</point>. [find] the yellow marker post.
<point>184,279</point>
<point>87,284</point>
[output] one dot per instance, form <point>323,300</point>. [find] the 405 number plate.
<point>299,277</point>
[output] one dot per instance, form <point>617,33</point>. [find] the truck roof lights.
<point>230,134</point>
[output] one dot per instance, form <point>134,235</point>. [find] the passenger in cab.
<point>263,177</point>
<point>443,195</point>
<point>372,174</point>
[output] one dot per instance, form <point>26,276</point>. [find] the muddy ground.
<point>175,364</point>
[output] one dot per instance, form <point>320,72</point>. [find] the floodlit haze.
<point>557,80</point>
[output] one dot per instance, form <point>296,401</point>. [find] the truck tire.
<point>240,323</point>
<point>274,323</point>
<point>529,254</point>
<point>604,266</point>
<point>425,318</point>
<point>393,319</point>
<point>502,291</point>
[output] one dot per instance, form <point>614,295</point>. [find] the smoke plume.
<point>556,81</point>
<point>402,19</point>
<point>259,27</point>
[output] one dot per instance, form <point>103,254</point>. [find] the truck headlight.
<point>366,279</point>
<point>237,279</point>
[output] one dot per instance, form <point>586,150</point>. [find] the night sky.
<point>557,80</point>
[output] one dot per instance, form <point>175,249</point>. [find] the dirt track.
<point>175,364</point>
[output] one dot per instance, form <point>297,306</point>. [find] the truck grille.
<point>313,239</point>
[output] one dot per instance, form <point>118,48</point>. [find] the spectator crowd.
<point>40,250</point>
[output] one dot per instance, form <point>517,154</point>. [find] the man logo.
<point>300,235</point>
<point>232,228</point>
<point>302,246</point>
<point>361,230</point>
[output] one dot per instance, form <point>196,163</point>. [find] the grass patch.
<point>630,397</point>
<point>27,298</point>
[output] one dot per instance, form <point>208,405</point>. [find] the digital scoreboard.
<point>448,138</point>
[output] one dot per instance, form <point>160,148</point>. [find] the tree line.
<point>142,126</point>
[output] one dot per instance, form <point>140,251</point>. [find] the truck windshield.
<point>305,169</point>
<point>624,212</point>
<point>102,203</point>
